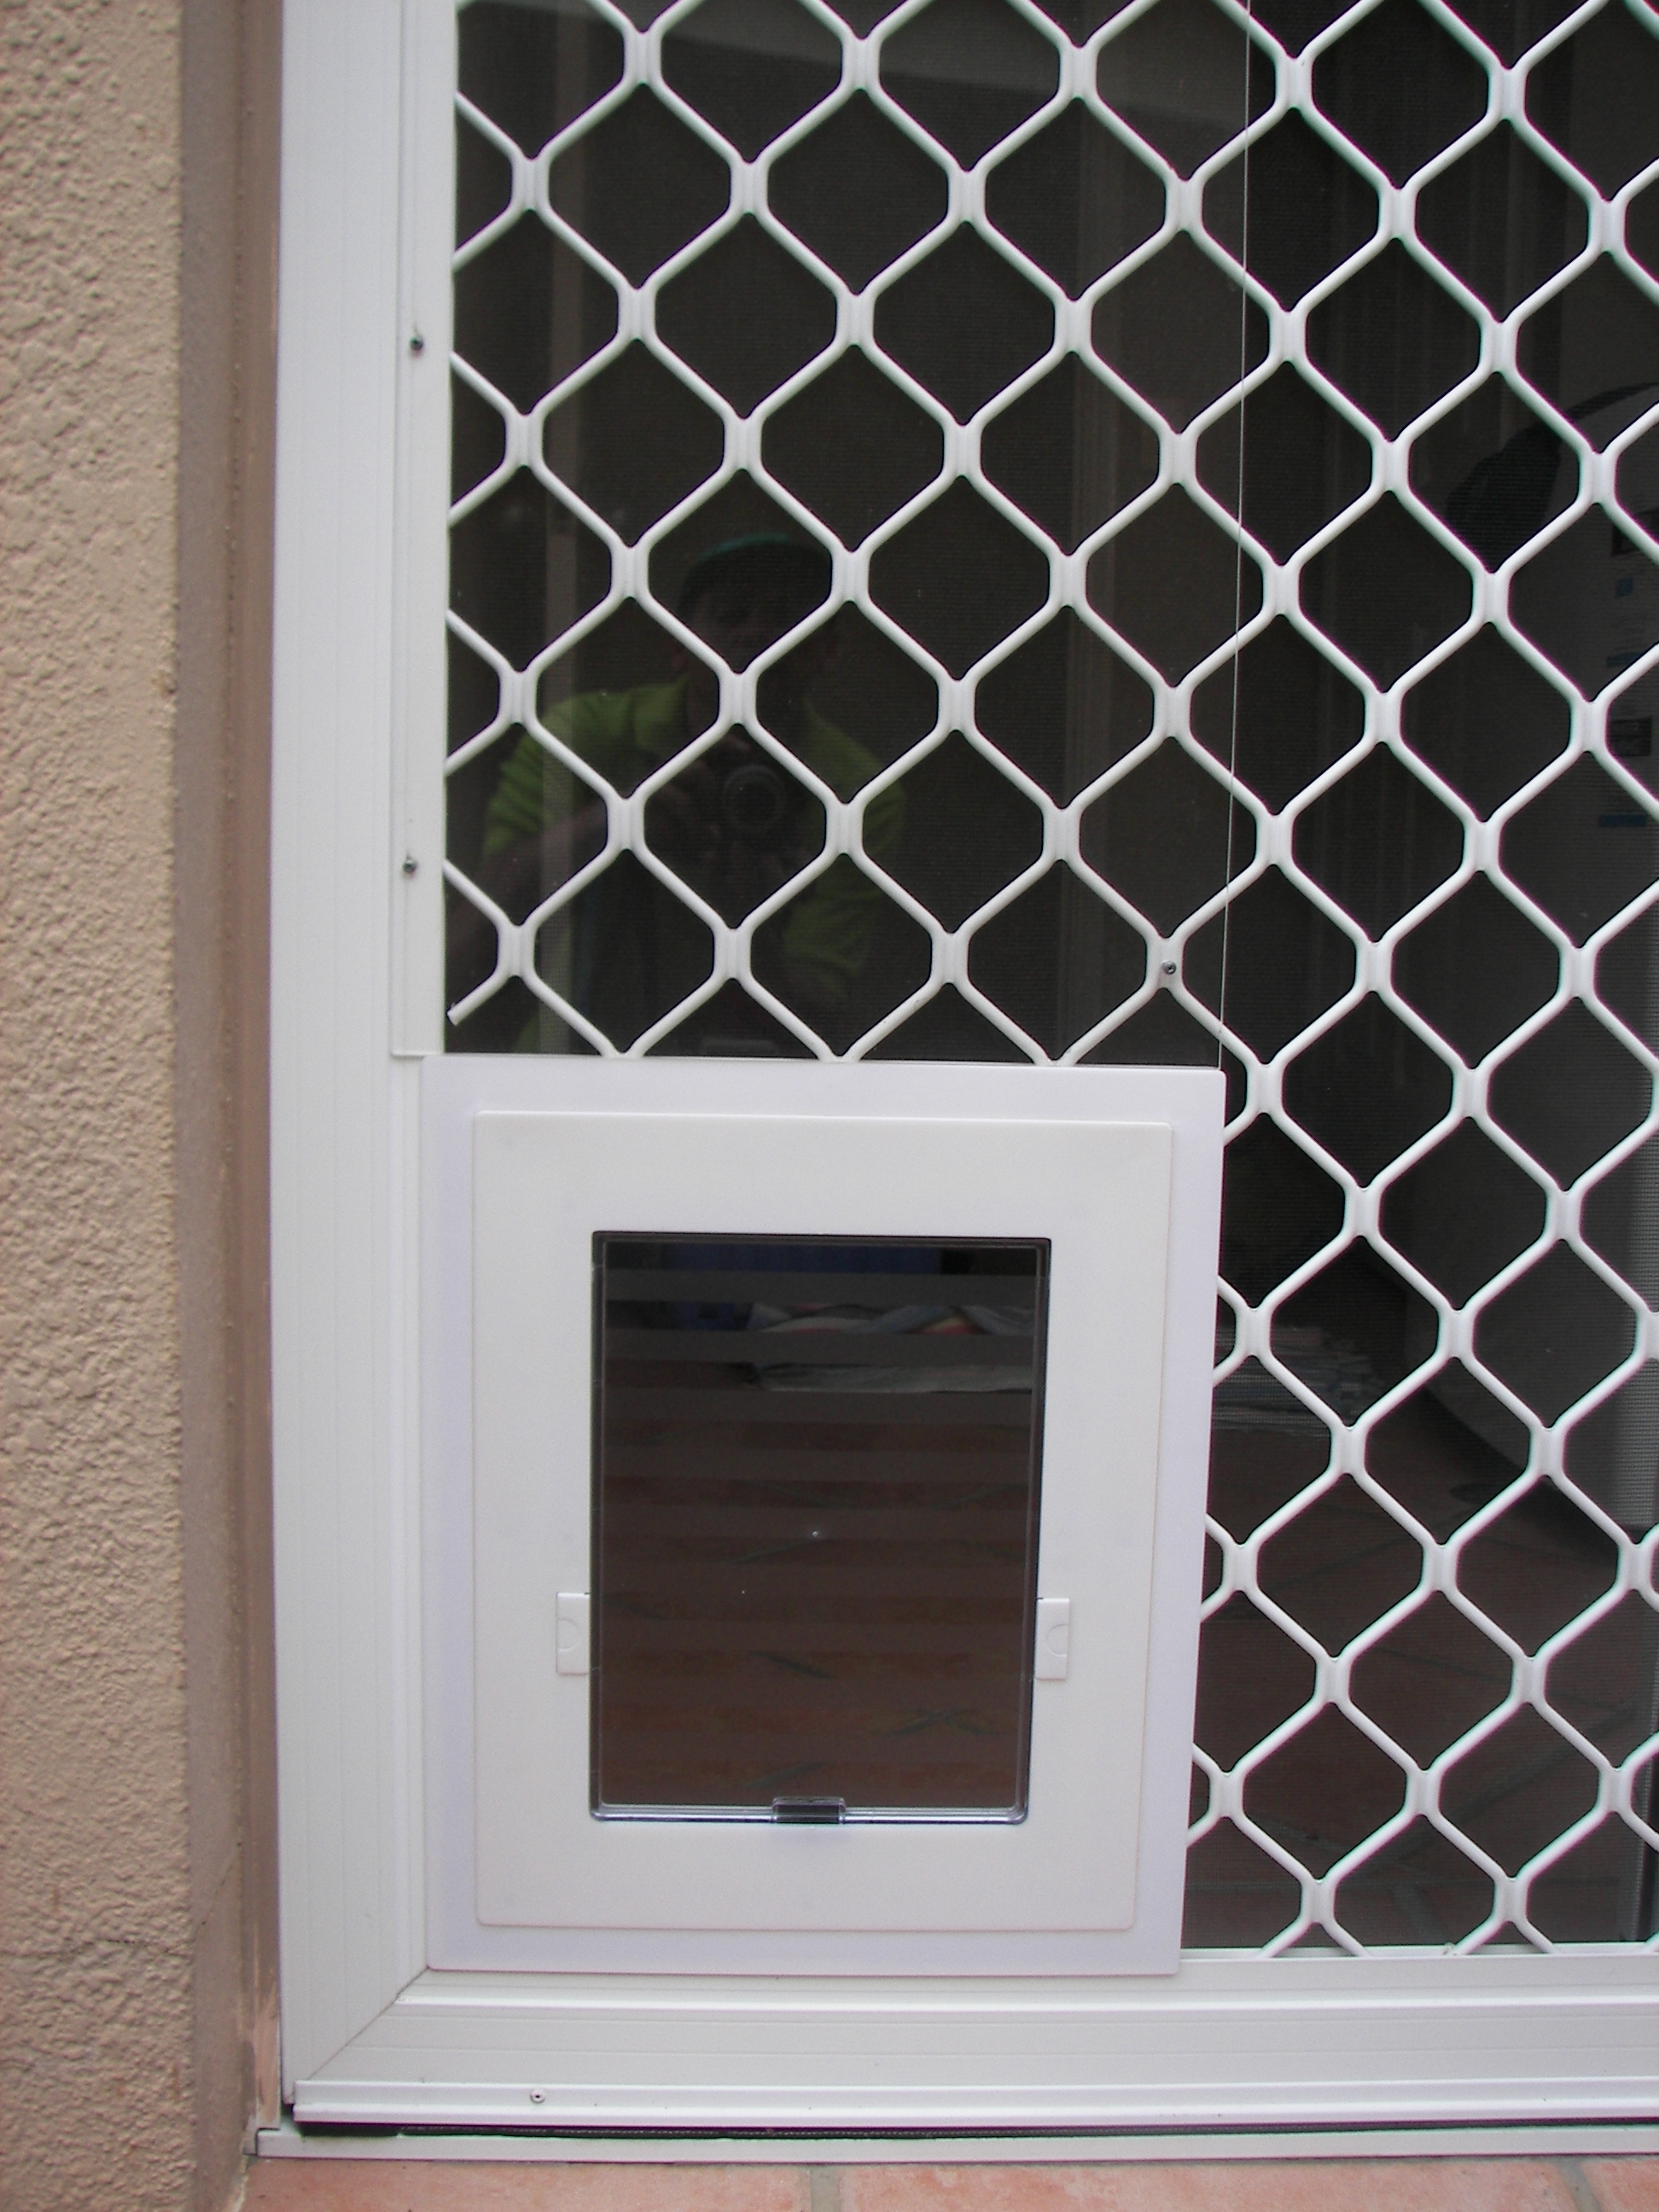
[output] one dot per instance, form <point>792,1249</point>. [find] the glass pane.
<point>1057,756</point>
<point>815,1511</point>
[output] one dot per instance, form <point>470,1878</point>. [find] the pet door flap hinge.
<point>815,1811</point>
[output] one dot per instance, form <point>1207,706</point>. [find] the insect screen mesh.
<point>991,531</point>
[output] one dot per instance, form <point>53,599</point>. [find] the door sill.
<point>1103,2147</point>
<point>1228,2048</point>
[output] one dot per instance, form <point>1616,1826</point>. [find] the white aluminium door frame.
<point>370,2034</point>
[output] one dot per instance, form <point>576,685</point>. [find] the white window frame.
<point>1400,2041</point>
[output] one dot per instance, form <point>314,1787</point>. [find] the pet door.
<point>816,1484</point>
<point>828,1446</point>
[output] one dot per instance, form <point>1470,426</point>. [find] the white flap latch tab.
<point>1053,1638</point>
<point>572,1617</point>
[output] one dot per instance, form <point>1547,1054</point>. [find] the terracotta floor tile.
<point>1298,2185</point>
<point>1620,2184</point>
<point>305,2184</point>
<point>1624,2185</point>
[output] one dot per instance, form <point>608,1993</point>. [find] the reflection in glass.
<point>734,824</point>
<point>815,1511</point>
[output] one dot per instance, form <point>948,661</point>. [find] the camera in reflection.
<point>755,805</point>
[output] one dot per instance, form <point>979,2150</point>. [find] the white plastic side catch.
<point>1054,1639</point>
<point>571,1655</point>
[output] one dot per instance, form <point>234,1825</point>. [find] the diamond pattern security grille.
<point>992,530</point>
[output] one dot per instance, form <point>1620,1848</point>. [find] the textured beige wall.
<point>126,2018</point>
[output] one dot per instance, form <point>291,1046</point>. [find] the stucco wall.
<point>122,1917</point>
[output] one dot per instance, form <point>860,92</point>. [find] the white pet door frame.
<point>1117,1172</point>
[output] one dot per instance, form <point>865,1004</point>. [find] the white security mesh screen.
<point>991,531</point>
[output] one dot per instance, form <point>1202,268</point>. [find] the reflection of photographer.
<point>733,824</point>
